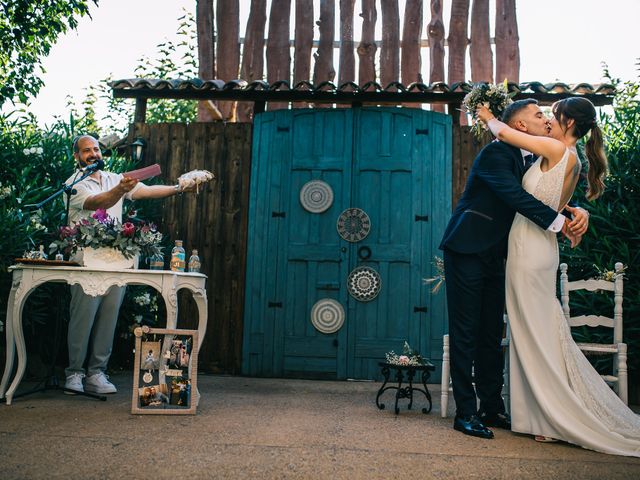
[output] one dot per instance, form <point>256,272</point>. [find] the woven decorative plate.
<point>327,315</point>
<point>364,283</point>
<point>353,224</point>
<point>316,196</point>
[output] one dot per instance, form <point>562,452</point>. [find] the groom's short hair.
<point>514,108</point>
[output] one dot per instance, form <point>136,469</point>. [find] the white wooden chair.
<point>618,349</point>
<point>445,382</point>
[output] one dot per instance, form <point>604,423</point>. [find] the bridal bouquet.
<point>101,230</point>
<point>494,97</point>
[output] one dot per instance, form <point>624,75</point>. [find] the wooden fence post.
<point>507,51</point>
<point>480,48</point>
<point>390,51</point>
<point>252,53</point>
<point>228,48</point>
<point>435,34</point>
<point>367,47</point>
<point>206,56</point>
<point>278,56</point>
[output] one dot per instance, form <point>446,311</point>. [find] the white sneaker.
<point>74,382</point>
<point>99,383</point>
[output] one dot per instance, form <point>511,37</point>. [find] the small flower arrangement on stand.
<point>495,97</point>
<point>409,357</point>
<point>102,231</point>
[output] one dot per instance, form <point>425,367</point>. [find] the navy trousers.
<point>475,300</point>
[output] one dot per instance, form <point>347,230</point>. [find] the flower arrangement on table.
<point>409,357</point>
<point>102,231</point>
<point>495,97</point>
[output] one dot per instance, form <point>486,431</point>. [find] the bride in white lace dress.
<point>555,392</point>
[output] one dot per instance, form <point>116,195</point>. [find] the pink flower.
<point>66,232</point>
<point>128,229</point>
<point>403,360</point>
<point>101,215</point>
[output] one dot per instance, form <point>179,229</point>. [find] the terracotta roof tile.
<point>326,91</point>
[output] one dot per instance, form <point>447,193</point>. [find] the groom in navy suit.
<point>475,248</point>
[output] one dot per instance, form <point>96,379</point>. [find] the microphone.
<point>97,165</point>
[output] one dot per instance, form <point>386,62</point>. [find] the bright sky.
<point>567,41</point>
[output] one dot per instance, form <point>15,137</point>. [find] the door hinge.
<point>422,218</point>
<point>278,214</point>
<point>274,305</point>
<point>419,309</point>
<point>422,131</point>
<point>283,129</point>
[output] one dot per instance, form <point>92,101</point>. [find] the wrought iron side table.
<point>407,391</point>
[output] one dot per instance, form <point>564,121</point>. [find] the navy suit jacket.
<point>492,195</point>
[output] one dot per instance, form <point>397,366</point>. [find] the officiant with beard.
<point>93,320</point>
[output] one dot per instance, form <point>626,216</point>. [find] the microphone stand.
<point>51,383</point>
<point>66,189</point>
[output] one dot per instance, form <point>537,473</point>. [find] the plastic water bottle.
<point>156,262</point>
<point>194,261</point>
<point>178,257</point>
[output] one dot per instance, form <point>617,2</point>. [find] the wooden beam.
<point>410,57</point>
<point>278,56</point>
<point>480,48</point>
<point>253,53</point>
<point>507,50</point>
<point>140,114</point>
<point>206,56</point>
<point>228,48</point>
<point>367,47</point>
<point>435,33</point>
<point>390,51</point>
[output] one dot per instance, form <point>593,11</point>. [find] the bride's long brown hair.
<point>583,113</point>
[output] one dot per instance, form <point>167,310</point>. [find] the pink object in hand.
<point>144,173</point>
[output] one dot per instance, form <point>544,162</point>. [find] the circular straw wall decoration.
<point>316,196</point>
<point>353,224</point>
<point>364,283</point>
<point>327,315</point>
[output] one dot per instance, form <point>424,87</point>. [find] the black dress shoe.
<point>471,425</point>
<point>498,420</point>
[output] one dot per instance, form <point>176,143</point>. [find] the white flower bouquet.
<point>495,97</point>
<point>408,357</point>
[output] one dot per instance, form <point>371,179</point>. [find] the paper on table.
<point>144,173</point>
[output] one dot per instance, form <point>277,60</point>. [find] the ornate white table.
<point>93,282</point>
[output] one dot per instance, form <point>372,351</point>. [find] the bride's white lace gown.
<point>554,389</point>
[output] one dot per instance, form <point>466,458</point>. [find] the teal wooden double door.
<point>395,165</point>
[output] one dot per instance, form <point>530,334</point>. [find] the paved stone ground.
<point>272,428</point>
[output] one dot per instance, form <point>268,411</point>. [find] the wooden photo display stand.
<point>165,371</point>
